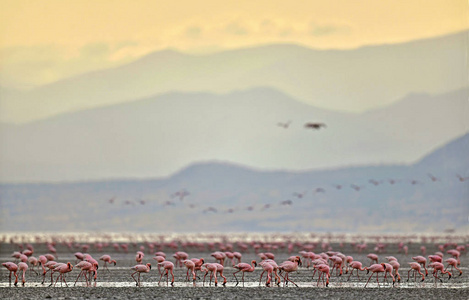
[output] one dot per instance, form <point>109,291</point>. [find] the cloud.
<point>235,28</point>
<point>328,29</point>
<point>193,32</point>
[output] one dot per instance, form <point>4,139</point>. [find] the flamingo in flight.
<point>315,126</point>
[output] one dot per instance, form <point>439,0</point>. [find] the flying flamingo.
<point>375,268</point>
<point>357,266</point>
<point>13,268</point>
<point>140,269</point>
<point>416,269</point>
<point>167,268</point>
<point>437,266</point>
<point>244,267</point>
<point>314,125</point>
<point>288,267</point>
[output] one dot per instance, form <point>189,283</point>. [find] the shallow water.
<point>118,284</point>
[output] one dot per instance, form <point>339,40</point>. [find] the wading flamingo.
<point>288,267</point>
<point>244,267</point>
<point>140,269</point>
<point>13,268</point>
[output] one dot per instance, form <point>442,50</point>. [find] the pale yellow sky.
<point>45,40</point>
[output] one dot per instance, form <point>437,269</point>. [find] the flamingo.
<point>314,125</point>
<point>62,269</point>
<point>107,259</point>
<point>140,269</point>
<point>180,256</point>
<point>23,267</point>
<point>13,268</point>
<point>388,269</point>
<point>190,265</point>
<point>289,266</point>
<point>422,261</point>
<point>357,266</point>
<point>219,256</point>
<point>437,266</point>
<point>453,263</point>
<point>269,266</point>
<point>167,268</point>
<point>159,259</point>
<point>373,257</point>
<point>244,267</point>
<point>85,267</point>
<point>395,265</point>
<point>324,272</point>
<point>375,268</point>
<point>416,269</point>
<point>34,262</point>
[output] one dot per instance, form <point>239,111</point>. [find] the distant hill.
<point>157,136</point>
<point>426,196</point>
<point>334,79</point>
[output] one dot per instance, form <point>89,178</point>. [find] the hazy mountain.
<point>227,197</point>
<point>156,136</point>
<point>374,76</point>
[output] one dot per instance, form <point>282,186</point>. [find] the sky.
<point>44,41</point>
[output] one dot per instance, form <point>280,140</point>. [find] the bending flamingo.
<point>244,267</point>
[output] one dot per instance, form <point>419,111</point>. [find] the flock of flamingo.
<point>183,194</point>
<point>328,263</point>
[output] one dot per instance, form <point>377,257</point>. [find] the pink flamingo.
<point>62,269</point>
<point>244,267</point>
<point>219,256</point>
<point>288,267</point>
<point>180,256</point>
<point>274,270</point>
<point>455,253</point>
<point>336,264</point>
<point>139,257</point>
<point>355,265</point>
<point>422,261</point>
<point>388,269</point>
<point>395,265</point>
<point>50,265</point>
<point>167,268</point>
<point>34,262</point>
<point>190,265</point>
<point>107,259</point>
<point>437,266</point>
<point>140,269</point>
<point>454,264</point>
<point>209,267</point>
<point>325,271</point>
<point>375,268</point>
<point>238,256</point>
<point>416,269</point>
<point>373,257</point>
<point>86,267</point>
<point>159,259</point>
<point>13,268</point>
<point>435,258</point>
<point>23,267</point>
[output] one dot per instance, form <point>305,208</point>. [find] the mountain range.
<point>334,79</point>
<point>429,195</point>
<point>156,136</point>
